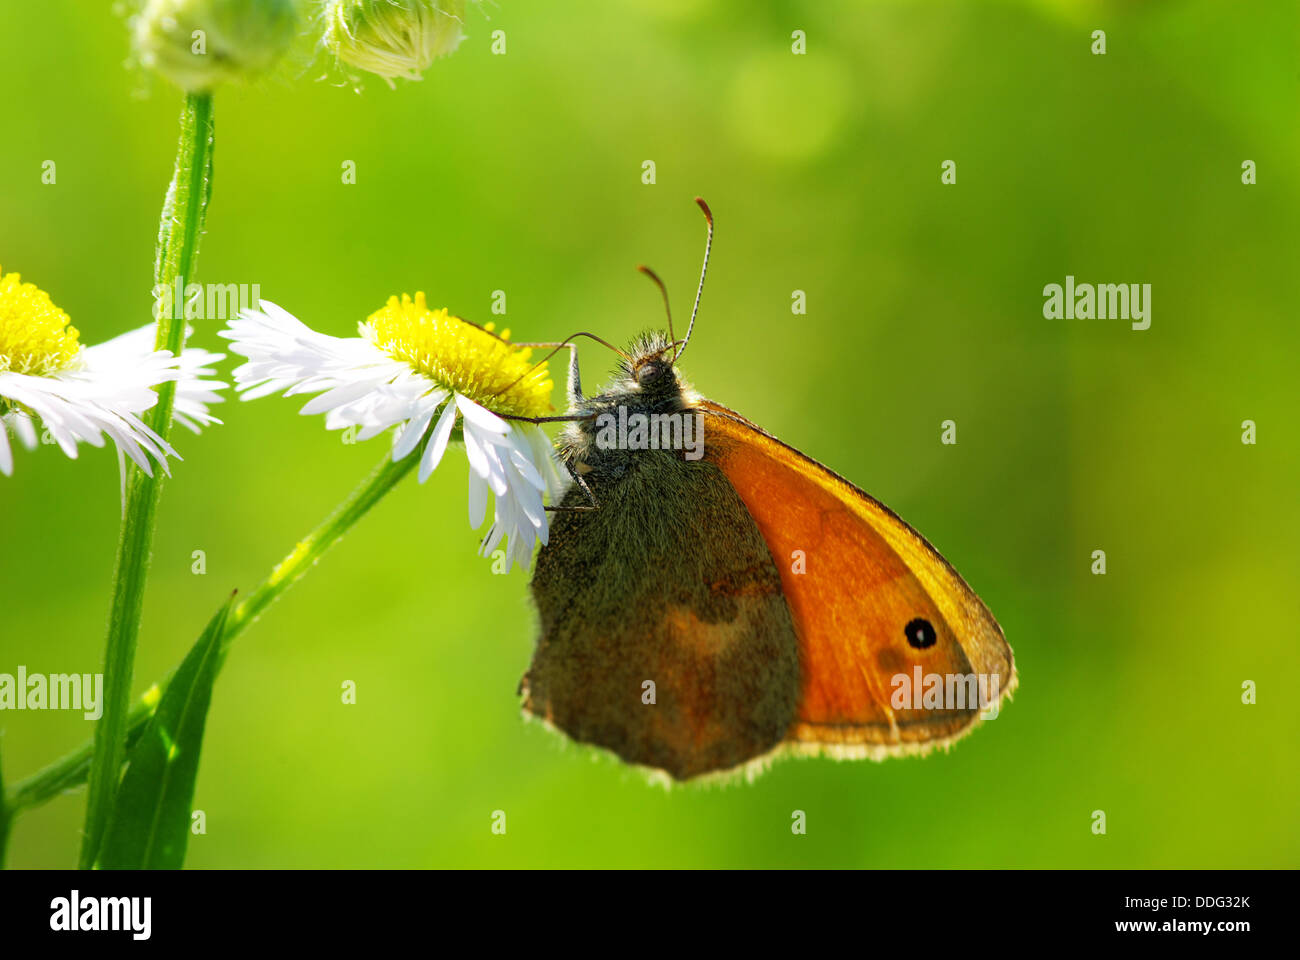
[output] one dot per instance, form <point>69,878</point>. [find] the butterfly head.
<point>652,359</point>
<point>649,367</point>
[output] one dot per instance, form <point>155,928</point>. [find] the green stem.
<point>178,240</point>
<point>71,771</point>
<point>313,546</point>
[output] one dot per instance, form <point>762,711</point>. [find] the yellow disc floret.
<point>460,356</point>
<point>35,336</point>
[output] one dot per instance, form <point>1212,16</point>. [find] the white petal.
<point>26,432</point>
<point>101,399</point>
<point>544,458</point>
<point>336,397</point>
<point>480,416</point>
<point>528,499</point>
<point>438,442</point>
<point>6,455</point>
<point>519,459</point>
<point>492,539</point>
<point>411,434</point>
<point>478,492</point>
<point>474,450</point>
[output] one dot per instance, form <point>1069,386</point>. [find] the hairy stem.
<point>178,240</point>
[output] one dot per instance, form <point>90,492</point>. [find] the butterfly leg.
<point>574,389</point>
<point>585,488</point>
<point>574,393</point>
<point>568,417</point>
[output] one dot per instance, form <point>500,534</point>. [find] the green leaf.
<point>150,825</point>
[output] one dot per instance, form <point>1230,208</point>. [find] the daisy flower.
<point>435,378</point>
<point>83,394</point>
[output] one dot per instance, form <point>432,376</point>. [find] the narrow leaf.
<point>150,825</point>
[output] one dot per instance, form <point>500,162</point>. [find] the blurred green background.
<point>522,173</point>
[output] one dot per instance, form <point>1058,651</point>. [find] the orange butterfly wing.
<point>866,578</point>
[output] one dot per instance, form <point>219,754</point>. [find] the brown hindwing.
<point>664,634</point>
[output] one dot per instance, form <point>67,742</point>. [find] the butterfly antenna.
<point>672,340</point>
<point>699,292</point>
<point>558,347</point>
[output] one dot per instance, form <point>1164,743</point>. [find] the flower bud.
<point>393,38</point>
<point>198,44</point>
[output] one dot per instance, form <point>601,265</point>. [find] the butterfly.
<point>710,597</point>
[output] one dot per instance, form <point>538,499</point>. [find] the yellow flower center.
<point>460,356</point>
<point>34,334</point>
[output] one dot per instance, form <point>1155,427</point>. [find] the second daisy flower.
<point>435,378</point>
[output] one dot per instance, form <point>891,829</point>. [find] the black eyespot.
<point>920,633</point>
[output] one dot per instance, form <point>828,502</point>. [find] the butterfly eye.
<point>920,633</point>
<point>649,371</point>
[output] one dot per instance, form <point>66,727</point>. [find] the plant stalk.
<point>71,771</point>
<point>178,240</point>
